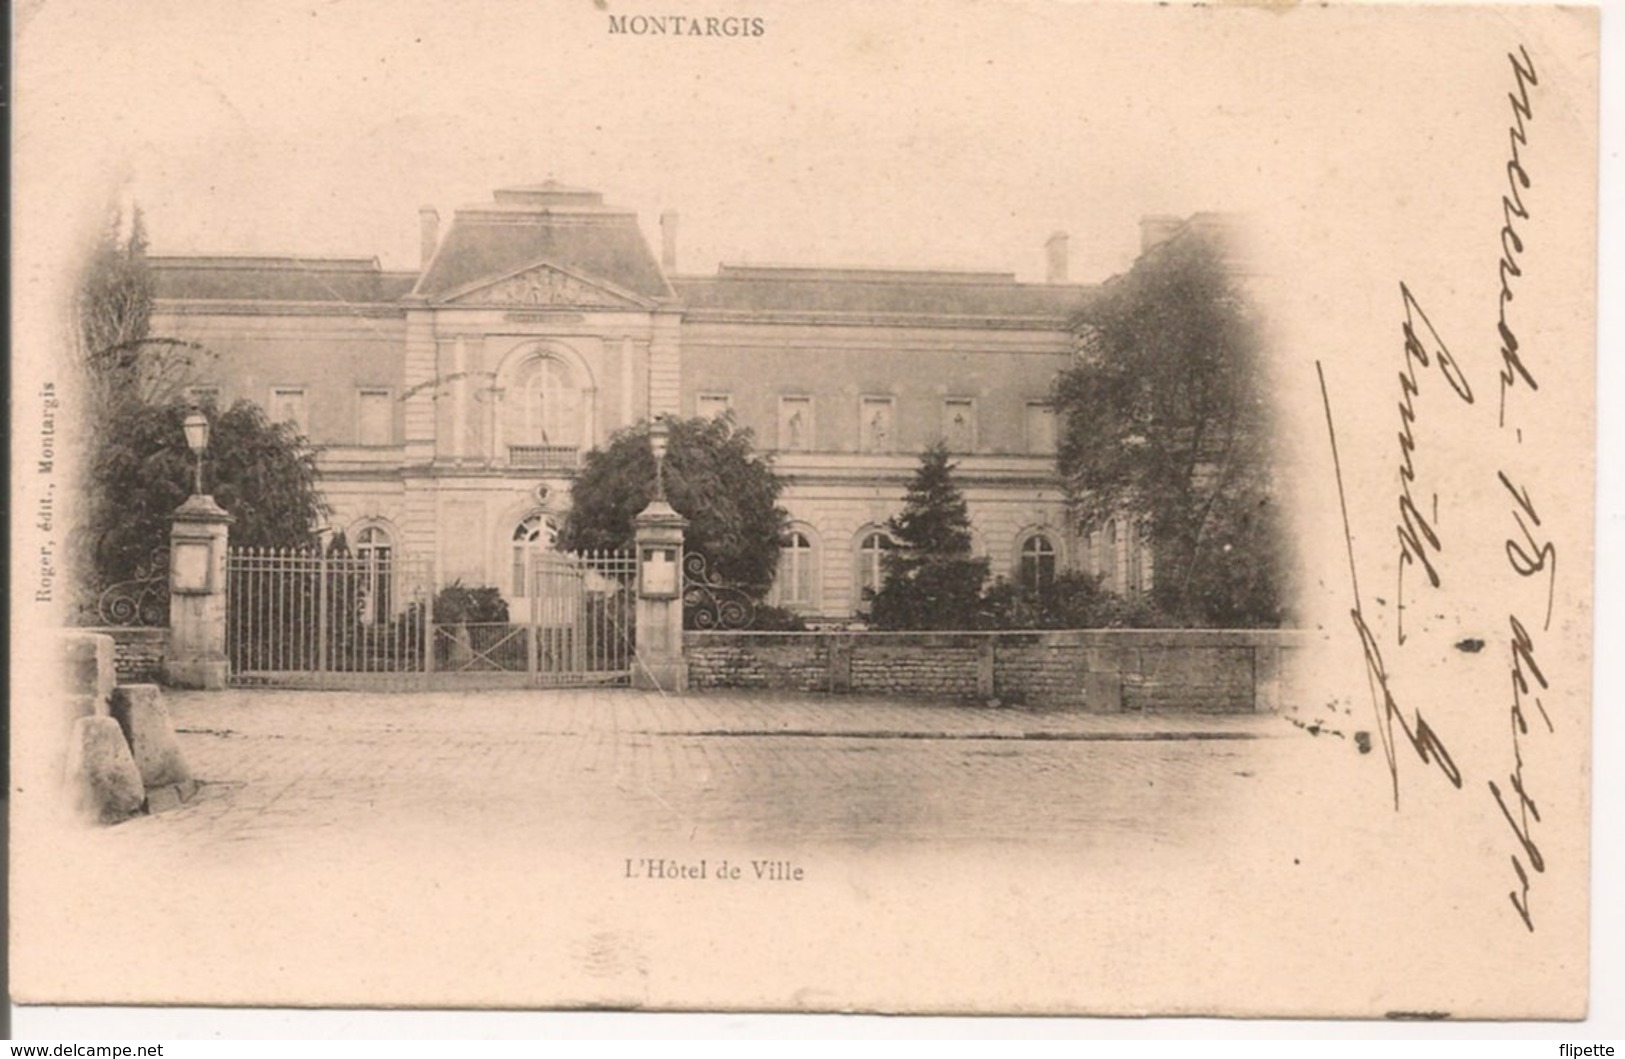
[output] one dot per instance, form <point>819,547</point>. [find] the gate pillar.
<point>660,664</point>
<point>196,655</point>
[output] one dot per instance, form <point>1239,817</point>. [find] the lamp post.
<point>196,428</point>
<point>195,655</point>
<point>658,535</point>
<point>659,443</point>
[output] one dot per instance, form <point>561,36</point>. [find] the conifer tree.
<point>933,581</point>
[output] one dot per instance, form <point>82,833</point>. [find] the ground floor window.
<point>535,532</point>
<point>872,549</point>
<point>1037,571</point>
<point>1139,558</point>
<point>795,580</point>
<point>375,550</point>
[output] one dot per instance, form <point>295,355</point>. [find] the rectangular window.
<point>959,424</point>
<point>876,424</point>
<point>204,396</point>
<point>1040,428</point>
<point>712,405</point>
<point>795,424</point>
<point>288,406</point>
<point>375,418</point>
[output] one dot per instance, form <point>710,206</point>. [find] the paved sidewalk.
<point>282,767</point>
<point>625,711</point>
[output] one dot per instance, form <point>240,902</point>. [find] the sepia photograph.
<point>940,509</point>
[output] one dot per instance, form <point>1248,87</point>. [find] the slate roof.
<point>525,226</point>
<point>284,279</point>
<point>572,229</point>
<point>878,292</point>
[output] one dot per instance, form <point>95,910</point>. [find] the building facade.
<point>451,407</point>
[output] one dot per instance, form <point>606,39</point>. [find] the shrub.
<point>458,603</point>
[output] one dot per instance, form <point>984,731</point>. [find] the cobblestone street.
<point>524,767</point>
<point>589,848</point>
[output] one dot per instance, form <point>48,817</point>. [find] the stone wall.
<point>138,653</point>
<point>918,664</point>
<point>788,661</point>
<point>1101,670</point>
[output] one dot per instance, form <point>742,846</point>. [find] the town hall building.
<point>451,407</point>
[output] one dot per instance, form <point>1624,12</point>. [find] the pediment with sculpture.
<point>545,286</point>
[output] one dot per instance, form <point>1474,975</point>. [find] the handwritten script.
<point>1431,373</point>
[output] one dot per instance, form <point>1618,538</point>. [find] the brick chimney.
<point>429,232</point>
<point>668,240</point>
<point>1055,256</point>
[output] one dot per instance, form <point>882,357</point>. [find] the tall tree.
<point>122,361</point>
<point>137,468</point>
<point>932,581</point>
<point>1166,417</point>
<point>714,478</point>
<point>115,295</point>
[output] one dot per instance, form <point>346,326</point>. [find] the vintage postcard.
<point>980,508</point>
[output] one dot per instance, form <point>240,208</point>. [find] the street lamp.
<point>196,427</point>
<point>659,442</point>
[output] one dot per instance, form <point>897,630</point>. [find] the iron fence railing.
<point>312,618</point>
<point>294,612</point>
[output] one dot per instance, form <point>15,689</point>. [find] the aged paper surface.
<point>1420,184</point>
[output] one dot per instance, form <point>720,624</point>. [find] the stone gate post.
<point>660,664</point>
<point>198,535</point>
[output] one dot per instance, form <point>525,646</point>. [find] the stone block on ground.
<point>101,772</point>
<point>140,712</point>
<point>88,668</point>
<point>77,706</point>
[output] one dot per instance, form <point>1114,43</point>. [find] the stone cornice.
<point>837,319</point>
<point>398,310</point>
<point>211,307</point>
<point>856,469</point>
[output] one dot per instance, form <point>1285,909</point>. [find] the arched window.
<point>1139,557</point>
<point>1037,565</point>
<point>794,586</point>
<point>376,552</point>
<point>871,572</point>
<point>535,532</point>
<point>1111,566</point>
<point>548,405</point>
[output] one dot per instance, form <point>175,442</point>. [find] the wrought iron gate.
<point>311,618</point>
<point>582,619</point>
<point>315,619</point>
